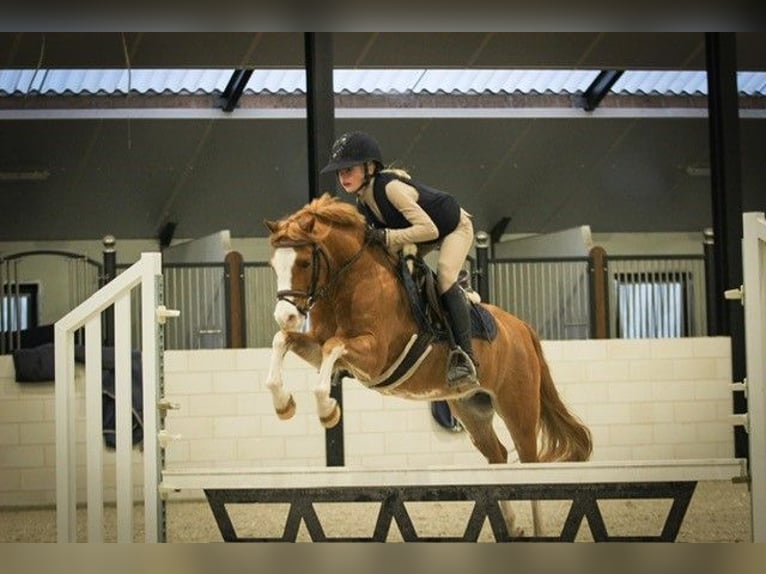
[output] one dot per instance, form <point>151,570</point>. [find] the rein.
<point>315,292</point>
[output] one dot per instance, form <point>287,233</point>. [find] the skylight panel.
<point>362,81</point>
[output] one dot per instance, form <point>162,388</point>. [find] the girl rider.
<point>402,211</point>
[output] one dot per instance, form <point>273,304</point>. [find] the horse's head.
<point>293,261</point>
<point>304,255</point>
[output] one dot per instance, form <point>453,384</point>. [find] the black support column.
<point>320,109</point>
<point>110,272</point>
<point>726,182</point>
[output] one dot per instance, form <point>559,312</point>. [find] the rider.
<point>402,211</point>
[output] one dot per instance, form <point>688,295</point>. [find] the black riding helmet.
<point>353,148</point>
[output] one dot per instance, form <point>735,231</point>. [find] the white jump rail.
<point>530,473</point>
<point>754,300</point>
<point>147,273</point>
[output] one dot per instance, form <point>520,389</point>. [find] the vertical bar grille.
<point>550,295</point>
<point>656,297</point>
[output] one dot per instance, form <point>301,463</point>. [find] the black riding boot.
<point>462,365</point>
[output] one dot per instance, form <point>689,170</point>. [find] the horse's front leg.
<point>328,408</point>
<point>304,347</point>
<point>284,404</point>
<point>358,352</point>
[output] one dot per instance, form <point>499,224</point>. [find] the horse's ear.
<point>271,225</point>
<point>306,223</point>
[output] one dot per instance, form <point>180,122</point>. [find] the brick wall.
<point>643,399</point>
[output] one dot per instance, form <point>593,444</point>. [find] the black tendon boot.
<point>461,368</point>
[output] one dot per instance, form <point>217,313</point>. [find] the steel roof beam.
<point>599,88</point>
<point>234,89</point>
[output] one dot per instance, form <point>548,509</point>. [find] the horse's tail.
<point>563,436</point>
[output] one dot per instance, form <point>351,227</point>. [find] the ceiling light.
<point>697,171</point>
<point>33,175</point>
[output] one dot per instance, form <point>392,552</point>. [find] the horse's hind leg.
<point>475,414</point>
<point>521,420</point>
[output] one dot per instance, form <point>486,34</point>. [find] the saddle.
<point>419,281</point>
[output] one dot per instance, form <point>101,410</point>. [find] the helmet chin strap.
<point>366,181</point>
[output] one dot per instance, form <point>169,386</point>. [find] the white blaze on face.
<point>285,313</point>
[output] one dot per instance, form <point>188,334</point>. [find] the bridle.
<point>314,292</point>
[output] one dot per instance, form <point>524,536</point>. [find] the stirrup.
<point>461,372</point>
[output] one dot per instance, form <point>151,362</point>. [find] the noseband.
<point>314,292</point>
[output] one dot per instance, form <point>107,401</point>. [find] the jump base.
<point>301,489</point>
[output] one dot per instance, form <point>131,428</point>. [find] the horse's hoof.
<point>288,411</point>
<point>332,419</point>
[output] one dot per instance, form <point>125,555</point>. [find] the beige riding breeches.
<point>453,251</point>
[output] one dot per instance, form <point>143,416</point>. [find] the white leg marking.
<point>325,404</point>
<point>279,395</point>
<point>286,315</point>
<point>537,518</point>
<point>510,519</point>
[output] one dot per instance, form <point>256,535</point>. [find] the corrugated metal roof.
<point>401,81</point>
<point>91,82</point>
<point>659,83</point>
<point>505,81</point>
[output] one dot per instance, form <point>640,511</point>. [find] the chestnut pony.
<point>361,321</point>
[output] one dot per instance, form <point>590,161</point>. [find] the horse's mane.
<point>332,210</point>
<point>327,209</point>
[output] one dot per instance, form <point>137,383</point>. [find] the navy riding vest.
<point>441,207</point>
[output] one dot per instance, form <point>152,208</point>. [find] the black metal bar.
<point>498,229</point>
<point>574,520</point>
<point>311,520</point>
<point>495,517</point>
<point>402,517</point>
<point>675,518</point>
<point>234,89</point>
<point>481,272</point>
<point>595,519</point>
<point>384,519</point>
<point>710,283</point>
<point>486,498</point>
<point>67,254</point>
<point>292,524</point>
<point>476,522</point>
<point>726,183</point>
<point>217,500</point>
<point>320,110</point>
<point>599,88</point>
<point>110,272</point>
<point>320,113</point>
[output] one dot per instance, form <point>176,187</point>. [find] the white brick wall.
<point>642,399</point>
